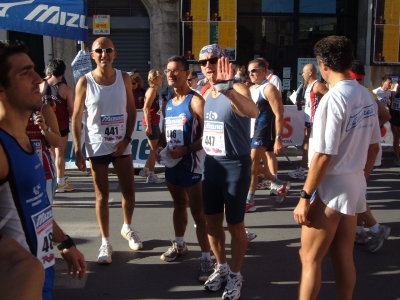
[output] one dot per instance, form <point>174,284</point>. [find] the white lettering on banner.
<point>44,12</point>
<point>6,6</point>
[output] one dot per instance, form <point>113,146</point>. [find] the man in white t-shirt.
<point>383,92</point>
<point>343,146</point>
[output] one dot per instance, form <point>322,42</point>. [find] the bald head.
<point>311,68</point>
<point>102,42</point>
<point>309,73</point>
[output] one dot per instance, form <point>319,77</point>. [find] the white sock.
<point>223,266</point>
<point>233,274</point>
<point>205,255</point>
<point>276,180</point>
<point>61,181</point>
<point>105,241</point>
<point>302,169</point>
<point>250,197</point>
<point>375,228</point>
<point>359,229</point>
<point>150,173</point>
<point>179,240</point>
<point>126,227</point>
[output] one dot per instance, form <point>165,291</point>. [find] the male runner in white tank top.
<point>110,114</point>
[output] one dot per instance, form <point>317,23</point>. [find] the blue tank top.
<point>236,128</point>
<point>24,199</point>
<point>264,126</point>
<point>190,130</point>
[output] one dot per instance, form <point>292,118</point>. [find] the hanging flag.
<point>58,18</point>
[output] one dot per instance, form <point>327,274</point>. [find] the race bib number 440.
<point>112,128</point>
<point>214,138</point>
<point>43,224</point>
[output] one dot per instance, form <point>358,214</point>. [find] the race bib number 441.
<point>214,138</point>
<point>43,224</point>
<point>112,128</point>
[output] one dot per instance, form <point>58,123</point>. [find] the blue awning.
<point>58,18</point>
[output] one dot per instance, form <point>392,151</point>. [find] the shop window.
<point>317,6</point>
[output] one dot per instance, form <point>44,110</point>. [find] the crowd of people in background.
<point>214,159</point>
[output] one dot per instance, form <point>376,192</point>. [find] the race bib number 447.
<point>112,128</point>
<point>214,138</point>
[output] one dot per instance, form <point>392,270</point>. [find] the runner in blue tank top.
<point>25,211</point>
<point>227,167</point>
<point>183,157</point>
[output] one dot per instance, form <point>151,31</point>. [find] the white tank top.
<point>105,116</point>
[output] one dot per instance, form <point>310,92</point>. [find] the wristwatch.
<point>68,243</point>
<point>303,194</point>
<point>47,130</point>
<point>279,137</point>
<point>128,138</point>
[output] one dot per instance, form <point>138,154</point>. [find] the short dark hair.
<point>55,67</point>
<point>180,59</point>
<point>260,63</point>
<point>336,52</point>
<point>386,77</point>
<point>194,74</point>
<point>7,50</point>
<point>357,67</point>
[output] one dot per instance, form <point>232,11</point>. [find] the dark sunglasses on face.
<point>253,70</point>
<point>107,50</point>
<point>212,60</point>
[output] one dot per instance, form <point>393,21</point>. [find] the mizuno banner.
<point>58,18</point>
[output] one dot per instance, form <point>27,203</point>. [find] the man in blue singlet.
<point>25,211</point>
<point>184,128</point>
<point>227,166</point>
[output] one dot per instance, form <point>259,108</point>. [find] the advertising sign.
<point>101,24</point>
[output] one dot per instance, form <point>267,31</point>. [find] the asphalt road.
<point>271,267</point>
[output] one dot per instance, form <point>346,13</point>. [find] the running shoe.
<point>134,241</point>
<point>66,187</point>
<point>233,287</point>
<point>280,190</point>
<point>263,185</point>
<point>250,236</point>
<point>397,162</point>
<point>378,238</point>
<point>105,254</point>
<point>174,251</point>
<point>153,178</point>
<point>298,174</point>
<point>250,207</point>
<point>206,269</point>
<point>216,279</point>
<point>144,172</point>
<point>361,238</point>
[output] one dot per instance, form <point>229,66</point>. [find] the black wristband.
<point>128,138</point>
<point>188,149</point>
<point>68,243</point>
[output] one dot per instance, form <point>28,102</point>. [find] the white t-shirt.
<point>345,124</point>
<point>382,95</point>
<point>275,81</point>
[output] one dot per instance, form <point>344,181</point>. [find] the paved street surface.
<point>271,267</point>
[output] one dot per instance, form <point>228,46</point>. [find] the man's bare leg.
<point>216,236</point>
<point>272,162</point>
<point>238,245</point>
<point>179,216</point>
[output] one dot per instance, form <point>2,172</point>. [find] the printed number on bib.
<point>112,128</point>
<point>214,138</point>
<point>43,224</point>
<point>396,104</point>
<point>38,148</point>
<point>174,130</point>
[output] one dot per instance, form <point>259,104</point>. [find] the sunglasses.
<point>106,50</point>
<point>212,60</point>
<point>173,71</point>
<point>253,70</point>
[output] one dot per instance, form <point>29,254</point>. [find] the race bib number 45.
<point>43,224</point>
<point>214,138</point>
<point>112,128</point>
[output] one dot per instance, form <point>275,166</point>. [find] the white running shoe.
<point>215,280</point>
<point>250,236</point>
<point>233,287</point>
<point>134,241</point>
<point>263,185</point>
<point>298,174</point>
<point>280,190</point>
<point>153,178</point>
<point>105,254</point>
<point>66,187</point>
<point>144,172</point>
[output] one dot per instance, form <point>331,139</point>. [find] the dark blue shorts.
<point>225,185</point>
<point>266,143</point>
<point>181,175</point>
<point>308,124</point>
<point>48,283</point>
<point>105,159</point>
